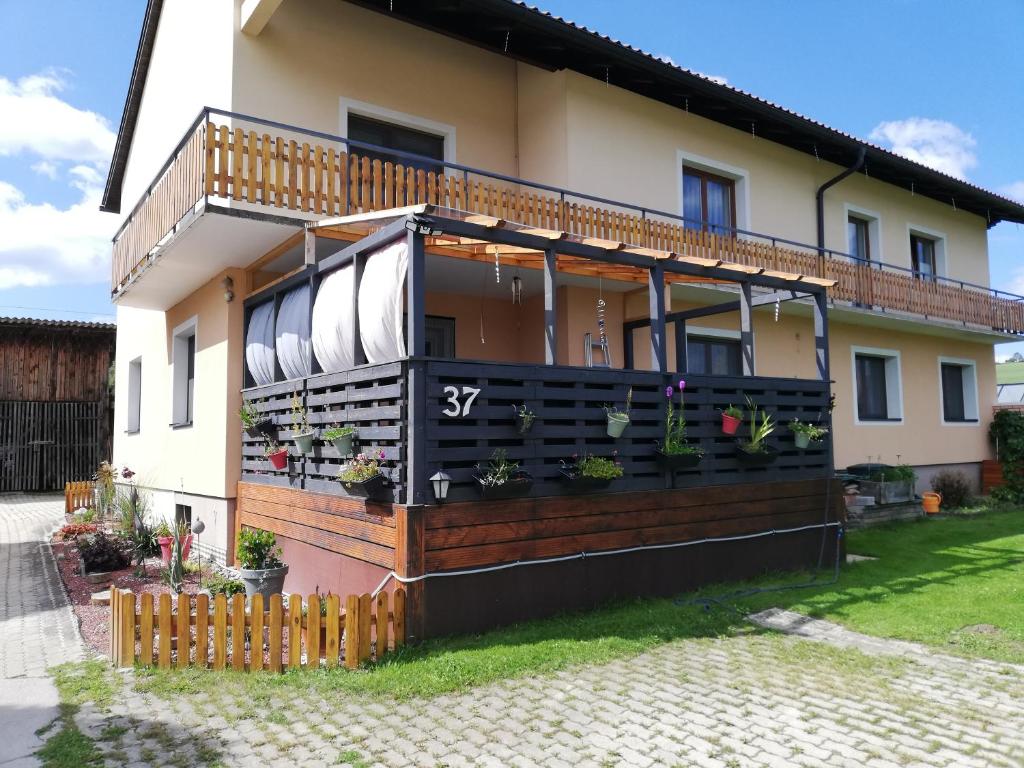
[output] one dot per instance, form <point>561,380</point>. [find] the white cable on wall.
<point>259,344</point>
<point>293,332</point>
<point>332,322</point>
<point>381,303</point>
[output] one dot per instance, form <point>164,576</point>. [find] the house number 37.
<point>457,407</point>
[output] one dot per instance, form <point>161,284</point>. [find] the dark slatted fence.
<point>370,398</point>
<point>568,403</point>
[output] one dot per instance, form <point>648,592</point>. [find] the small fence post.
<point>127,634</point>
<point>352,631</point>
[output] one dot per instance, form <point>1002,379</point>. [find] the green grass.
<point>1009,373</point>
<point>84,682</point>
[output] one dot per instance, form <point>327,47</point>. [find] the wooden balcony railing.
<point>252,166</point>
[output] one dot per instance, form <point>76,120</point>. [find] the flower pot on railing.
<point>756,458</point>
<point>617,423</point>
<point>166,545</point>
<point>519,484</point>
<point>263,427</point>
<point>304,441</point>
<point>730,424</point>
<point>279,458</point>
<point>375,488</point>
<point>673,462</point>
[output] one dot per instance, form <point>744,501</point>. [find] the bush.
<point>221,585</point>
<point>258,550</point>
<point>101,552</point>
<point>953,486</point>
<point>74,530</point>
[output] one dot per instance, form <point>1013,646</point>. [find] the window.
<point>183,516</point>
<point>134,396</point>
<point>876,378</point>
<point>922,257</point>
<point>959,389</point>
<point>858,238</point>
<point>440,336</point>
<point>709,201</point>
<point>184,374</point>
<point>398,137</point>
<point>713,355</point>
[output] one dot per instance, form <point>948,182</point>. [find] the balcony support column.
<point>416,446</point>
<point>747,328</point>
<point>821,335</point>
<point>656,304</point>
<point>550,307</point>
<point>680,334</point>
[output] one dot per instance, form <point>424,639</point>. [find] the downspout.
<point>857,165</point>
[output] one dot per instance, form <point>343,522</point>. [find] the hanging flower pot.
<point>519,484</point>
<point>677,461</point>
<point>375,488</point>
<point>341,438</point>
<point>264,426</point>
<point>304,441</point>
<point>806,435</point>
<point>801,439</point>
<point>730,423</point>
<point>279,458</point>
<point>761,457</point>
<point>617,423</point>
<point>524,418</point>
<point>343,445</point>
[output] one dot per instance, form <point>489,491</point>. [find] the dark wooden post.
<point>681,361</point>
<point>416,447</point>
<point>550,307</point>
<point>627,346</point>
<point>747,329</point>
<point>821,335</point>
<point>656,303</point>
<point>410,561</point>
<point>358,354</point>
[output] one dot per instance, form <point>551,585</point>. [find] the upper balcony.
<point>283,176</point>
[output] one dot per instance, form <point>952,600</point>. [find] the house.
<point>56,405</point>
<point>412,218</point>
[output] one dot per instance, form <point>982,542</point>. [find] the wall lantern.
<point>229,289</point>
<point>440,481</point>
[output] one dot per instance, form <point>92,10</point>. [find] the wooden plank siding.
<point>269,171</point>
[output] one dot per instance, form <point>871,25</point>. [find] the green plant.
<point>336,432</point>
<point>761,426</point>
<point>104,477</point>
<point>174,574</point>
<point>953,487</point>
<point>362,468</point>
<point>74,530</point>
<point>101,552</point>
<point>1007,435</point>
<point>85,516</point>
<point>525,417</point>
<point>221,585</point>
<point>597,467</point>
<point>300,416</point>
<point>499,469</point>
<point>270,446</point>
<point>813,431</point>
<point>675,443</point>
<point>614,412</point>
<point>733,412</point>
<point>162,529</point>
<point>249,414</point>
<point>901,473</point>
<point>258,550</point>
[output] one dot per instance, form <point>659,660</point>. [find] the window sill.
<point>181,425</point>
<point>868,420</point>
<point>132,431</point>
<point>961,421</point>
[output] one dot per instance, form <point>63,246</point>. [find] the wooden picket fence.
<point>241,635</point>
<point>79,493</point>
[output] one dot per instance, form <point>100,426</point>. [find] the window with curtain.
<point>713,355</point>
<point>858,239</point>
<point>953,407</point>
<point>872,389</point>
<point>922,257</point>
<point>709,201</point>
<point>398,137</point>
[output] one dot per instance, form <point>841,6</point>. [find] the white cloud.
<point>38,122</point>
<point>936,143</point>
<point>720,79</point>
<point>46,168</point>
<point>1014,191</point>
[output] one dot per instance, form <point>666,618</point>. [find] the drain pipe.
<point>857,165</point>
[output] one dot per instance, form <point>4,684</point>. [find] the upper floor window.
<point>709,201</point>
<point>858,236</point>
<point>922,256</point>
<point>717,356</point>
<point>397,137</point>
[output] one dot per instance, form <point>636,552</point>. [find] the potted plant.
<point>277,455</point>
<point>260,559</point>
<point>254,423</point>
<point>732,417</point>
<point>524,418</point>
<point>891,485</point>
<point>165,538</point>
<point>589,473</point>
<point>302,432</point>
<point>805,433</point>
<point>674,452</point>
<point>756,452</point>
<point>362,477</point>
<point>502,479</point>
<point>341,437</point>
<point>618,420</point>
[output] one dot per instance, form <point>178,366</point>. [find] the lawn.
<point>1009,373</point>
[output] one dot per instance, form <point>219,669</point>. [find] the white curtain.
<point>259,344</point>
<point>332,321</point>
<point>293,332</point>
<point>380,303</point>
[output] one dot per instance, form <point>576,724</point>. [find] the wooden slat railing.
<point>274,171</point>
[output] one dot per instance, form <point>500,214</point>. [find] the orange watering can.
<point>931,501</point>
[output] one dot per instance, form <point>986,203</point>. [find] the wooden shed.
<point>56,401</point>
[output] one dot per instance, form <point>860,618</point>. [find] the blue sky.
<point>65,65</point>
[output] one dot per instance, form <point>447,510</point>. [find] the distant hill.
<point>1010,373</point>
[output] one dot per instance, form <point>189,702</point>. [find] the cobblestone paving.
<point>752,700</point>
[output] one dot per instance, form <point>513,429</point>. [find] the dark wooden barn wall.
<point>54,364</point>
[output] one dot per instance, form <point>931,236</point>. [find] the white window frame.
<point>179,371</point>
<point>893,385</point>
<point>971,410</point>
<point>874,222</point>
<point>941,254</point>
<point>739,176</point>
<point>404,119</point>
<point>133,421</point>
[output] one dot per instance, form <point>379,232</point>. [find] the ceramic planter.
<point>801,439</point>
<point>758,458</point>
<point>677,461</point>
<point>279,458</point>
<point>167,543</point>
<point>730,424</point>
<point>343,445</point>
<point>374,489</point>
<point>518,485</point>
<point>264,426</point>
<point>304,441</point>
<point>266,581</point>
<point>583,484</point>
<point>617,423</point>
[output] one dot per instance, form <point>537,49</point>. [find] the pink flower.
<point>380,453</point>
<point>361,457</point>
<point>127,474</point>
<point>682,385</point>
<point>669,391</point>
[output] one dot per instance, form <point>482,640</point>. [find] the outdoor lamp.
<point>229,288</point>
<point>440,481</point>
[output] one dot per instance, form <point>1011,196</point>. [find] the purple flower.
<point>669,391</point>
<point>682,385</point>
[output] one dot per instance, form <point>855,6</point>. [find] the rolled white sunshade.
<point>259,344</point>
<point>332,322</point>
<point>380,303</point>
<point>293,332</point>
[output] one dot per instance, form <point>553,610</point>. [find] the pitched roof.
<point>32,322</point>
<point>524,32</point>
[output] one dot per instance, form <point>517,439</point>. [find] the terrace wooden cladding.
<point>253,167</point>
